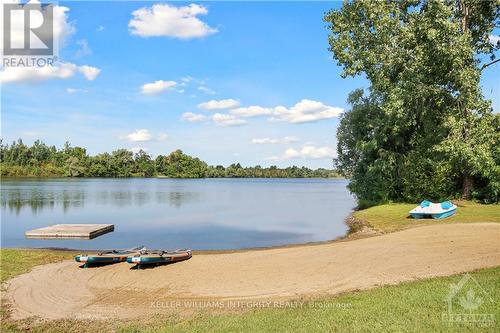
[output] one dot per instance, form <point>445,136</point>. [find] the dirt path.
<point>63,290</point>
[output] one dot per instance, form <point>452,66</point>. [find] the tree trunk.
<point>468,181</point>
<point>468,186</point>
<point>465,12</point>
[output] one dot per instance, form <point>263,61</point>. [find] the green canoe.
<point>158,257</point>
<point>107,257</point>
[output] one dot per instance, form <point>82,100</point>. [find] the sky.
<point>248,82</point>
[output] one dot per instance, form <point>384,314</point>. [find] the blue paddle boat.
<point>428,209</point>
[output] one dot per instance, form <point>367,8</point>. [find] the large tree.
<point>428,130</point>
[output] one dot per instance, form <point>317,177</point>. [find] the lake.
<point>202,214</point>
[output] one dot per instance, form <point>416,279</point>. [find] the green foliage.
<point>425,130</point>
<point>39,160</point>
<point>180,165</point>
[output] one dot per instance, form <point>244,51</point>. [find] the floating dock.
<point>70,231</point>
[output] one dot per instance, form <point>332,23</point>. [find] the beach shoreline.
<point>357,229</point>
<point>62,290</point>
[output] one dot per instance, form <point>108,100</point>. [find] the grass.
<point>394,217</point>
<point>407,307</point>
<point>18,261</point>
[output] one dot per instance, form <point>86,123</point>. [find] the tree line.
<point>41,160</point>
<point>423,129</point>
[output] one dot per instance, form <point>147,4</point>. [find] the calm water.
<point>166,213</point>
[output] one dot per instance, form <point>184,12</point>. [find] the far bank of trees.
<point>40,160</point>
<point>423,129</point>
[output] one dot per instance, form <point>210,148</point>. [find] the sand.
<point>63,290</point>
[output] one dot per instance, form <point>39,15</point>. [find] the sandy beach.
<point>63,290</point>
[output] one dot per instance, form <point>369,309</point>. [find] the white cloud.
<point>264,141</point>
<point>144,135</point>
<point>193,117</point>
<point>227,120</point>
<point>140,135</point>
<point>84,50</point>
<point>219,104</point>
<point>157,87</point>
<point>306,152</point>
<point>34,74</point>
<point>494,39</point>
<point>252,111</point>
<point>304,111</point>
<point>75,90</point>
<point>170,21</point>
<point>135,150</point>
<point>162,137</point>
<point>206,90</point>
<point>89,72</point>
<point>62,28</point>
<point>290,139</point>
<point>37,74</point>
<point>100,28</point>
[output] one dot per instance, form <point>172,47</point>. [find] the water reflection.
<point>15,199</point>
<point>176,199</point>
<point>165,213</point>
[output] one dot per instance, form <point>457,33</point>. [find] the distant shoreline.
<point>162,177</point>
<point>40,160</point>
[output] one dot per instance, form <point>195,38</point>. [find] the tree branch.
<point>490,63</point>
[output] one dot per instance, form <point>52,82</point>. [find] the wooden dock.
<point>70,231</point>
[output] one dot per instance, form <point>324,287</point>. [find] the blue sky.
<point>146,85</point>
